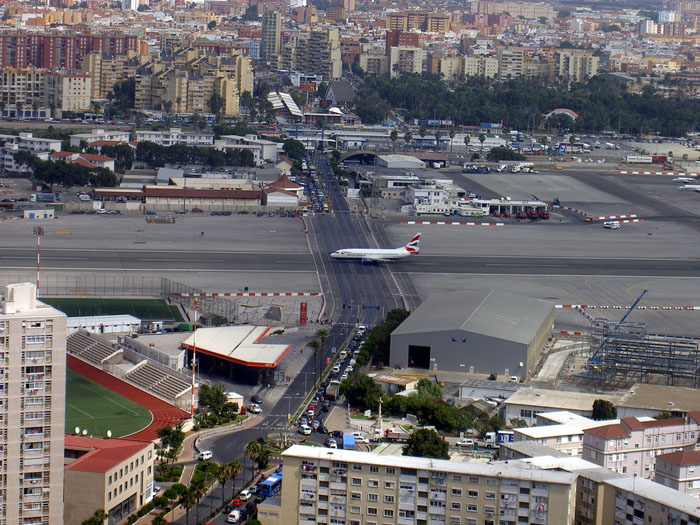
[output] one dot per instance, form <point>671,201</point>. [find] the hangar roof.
<point>492,313</point>
<point>239,344</point>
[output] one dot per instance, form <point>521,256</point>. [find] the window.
<point>371,511</point>
<point>389,485</point>
<point>388,513</point>
<point>356,496</point>
<point>473,494</point>
<point>491,481</point>
<point>388,499</point>
<point>372,497</point>
<point>373,468</point>
<point>455,506</point>
<point>457,478</point>
<point>490,495</point>
<point>525,413</point>
<point>474,479</point>
<point>456,492</point>
<point>472,508</point>
<point>373,483</point>
<point>354,510</point>
<point>357,468</point>
<point>455,520</point>
<point>391,471</point>
<point>356,481</point>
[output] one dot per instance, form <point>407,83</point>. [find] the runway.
<point>356,272</point>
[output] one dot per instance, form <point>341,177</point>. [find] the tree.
<point>426,443</point>
<point>159,520</point>
<point>438,136</point>
<point>423,131</point>
<point>214,397</point>
<point>178,101</point>
<point>451,134</point>
<point>563,13</point>
<point>235,469</point>
<point>188,500</point>
<point>408,138</point>
<point>223,474</point>
<point>315,345</point>
<point>499,153</point>
<point>20,109</point>
<point>198,489</point>
<point>603,409</point>
<point>293,148</point>
<point>211,25</point>
<point>467,140</point>
<point>216,104</point>
<point>482,139</point>
<point>429,389</point>
<point>259,450</point>
<point>394,136</point>
<point>167,105</point>
<point>361,391</point>
<point>98,518</point>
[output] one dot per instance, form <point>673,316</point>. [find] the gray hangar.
<point>479,331</point>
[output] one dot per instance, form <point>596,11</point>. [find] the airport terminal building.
<point>478,332</point>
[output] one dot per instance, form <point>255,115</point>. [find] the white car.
<point>344,376</point>
<point>254,408</point>
<point>305,430</point>
<point>234,516</point>
<point>465,442</point>
<point>361,440</point>
<point>336,369</point>
<point>245,495</point>
<point>611,225</point>
<point>205,455</point>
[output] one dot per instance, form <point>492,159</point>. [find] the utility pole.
<point>194,355</point>
<point>38,231</point>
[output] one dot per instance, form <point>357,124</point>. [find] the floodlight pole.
<point>38,231</point>
<point>194,355</point>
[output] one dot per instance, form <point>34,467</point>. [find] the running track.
<point>163,413</point>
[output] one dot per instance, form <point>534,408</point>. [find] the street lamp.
<point>38,231</point>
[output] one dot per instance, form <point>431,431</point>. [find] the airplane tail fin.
<point>413,245</point>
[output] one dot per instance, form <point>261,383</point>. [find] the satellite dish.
<point>109,433</point>
<point>77,430</point>
<point>85,432</point>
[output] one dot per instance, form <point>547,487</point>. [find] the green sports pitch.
<point>97,409</point>
<point>144,309</point>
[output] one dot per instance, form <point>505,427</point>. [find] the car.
<point>335,434</point>
<point>234,516</point>
<point>322,430</point>
<point>344,376</point>
<point>336,369</point>
<point>496,214</point>
<point>259,499</point>
<point>361,440</point>
<point>102,211</point>
<point>304,430</point>
<point>156,489</point>
<point>205,455</point>
<point>611,225</point>
<point>254,408</point>
<point>256,399</point>
<point>465,442</point>
<point>331,443</point>
<point>228,509</point>
<point>237,502</point>
<point>245,495</point>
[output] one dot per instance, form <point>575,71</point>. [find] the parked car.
<point>256,399</point>
<point>254,408</point>
<point>245,495</point>
<point>465,442</point>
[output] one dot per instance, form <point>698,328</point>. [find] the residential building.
<point>130,5</point>
<point>27,140</point>
<point>528,10</point>
<point>32,401</point>
<point>651,400</point>
<point>576,65</point>
<point>396,37</point>
<point>271,35</point>
<point>449,67</point>
<point>374,63</point>
<point>405,59</point>
<point>117,135</point>
<point>485,67</point>
<point>361,487</point>
<point>176,136</point>
<point>89,160</point>
<point>107,70</point>
<point>67,92</point>
<point>112,474</point>
<point>680,471</point>
<point>630,447</point>
<point>422,21</point>
<point>60,50</point>
<point>22,86</point>
<point>267,150</point>
<point>315,52</point>
<point>510,62</point>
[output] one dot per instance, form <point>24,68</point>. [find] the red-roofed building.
<point>89,160</point>
<point>631,446</point>
<point>112,474</point>
<point>680,471</point>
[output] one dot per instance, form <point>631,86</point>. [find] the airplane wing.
<point>374,259</point>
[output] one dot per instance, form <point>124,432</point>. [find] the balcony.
<point>405,478</point>
<point>308,485</point>
<point>336,485</point>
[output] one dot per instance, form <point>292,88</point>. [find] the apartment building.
<point>405,59</point>
<point>510,62</point>
<point>107,70</point>
<point>680,471</point>
<point>400,38</point>
<point>485,67</point>
<point>111,474</point>
<point>339,486</point>
<point>528,10</point>
<point>24,86</point>
<point>175,136</point>
<point>116,135</point>
<point>314,53</point>
<point>187,81</point>
<point>448,67</point>
<point>61,50</point>
<point>576,65</point>
<point>374,63</point>
<point>67,92</point>
<point>32,406</point>
<point>271,35</point>
<point>630,447</point>
<point>422,21</point>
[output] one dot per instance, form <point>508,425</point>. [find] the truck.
<point>42,197</point>
<point>332,390</point>
<point>645,159</point>
<point>494,439</point>
<point>396,434</point>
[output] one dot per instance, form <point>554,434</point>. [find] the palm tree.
<point>178,100</point>
<point>482,139</point>
<point>159,520</point>
<point>423,132</point>
<point>198,490</point>
<point>467,140</point>
<point>188,501</point>
<point>20,110</point>
<point>452,134</point>
<point>438,136</point>
<point>223,474</point>
<point>235,469</point>
<point>259,450</point>
<point>394,136</point>
<point>315,345</point>
<point>408,138</point>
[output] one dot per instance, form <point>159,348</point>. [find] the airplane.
<point>373,255</point>
<point>685,179</point>
<point>695,187</point>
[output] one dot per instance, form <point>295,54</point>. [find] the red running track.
<point>163,413</point>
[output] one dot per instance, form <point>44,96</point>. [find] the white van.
<point>305,430</point>
<point>205,455</point>
<point>611,225</point>
<point>342,355</point>
<point>234,516</point>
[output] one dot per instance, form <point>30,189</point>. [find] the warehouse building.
<point>476,332</point>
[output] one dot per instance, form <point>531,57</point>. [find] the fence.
<point>86,284</point>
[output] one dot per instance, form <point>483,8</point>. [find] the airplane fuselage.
<point>375,254</point>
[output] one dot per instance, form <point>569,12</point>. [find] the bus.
<point>271,485</point>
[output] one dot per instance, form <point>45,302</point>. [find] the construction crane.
<point>634,305</point>
<point>616,328</point>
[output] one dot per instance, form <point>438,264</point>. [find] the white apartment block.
<point>32,408</point>
<point>98,134</point>
<point>176,136</point>
<point>478,66</point>
<point>336,487</point>
<point>405,59</point>
<point>264,150</point>
<point>27,140</point>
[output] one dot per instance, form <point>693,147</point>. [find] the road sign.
<point>370,307</point>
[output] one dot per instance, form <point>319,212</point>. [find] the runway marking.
<point>189,270</point>
<point>195,260</point>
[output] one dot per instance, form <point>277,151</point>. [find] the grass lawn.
<point>97,409</point>
<point>145,309</point>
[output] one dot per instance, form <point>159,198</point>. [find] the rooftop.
<point>101,454</point>
<point>682,457</point>
<point>661,398</point>
<point>239,344</point>
<point>556,399</point>
<point>500,470</point>
<point>657,492</point>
